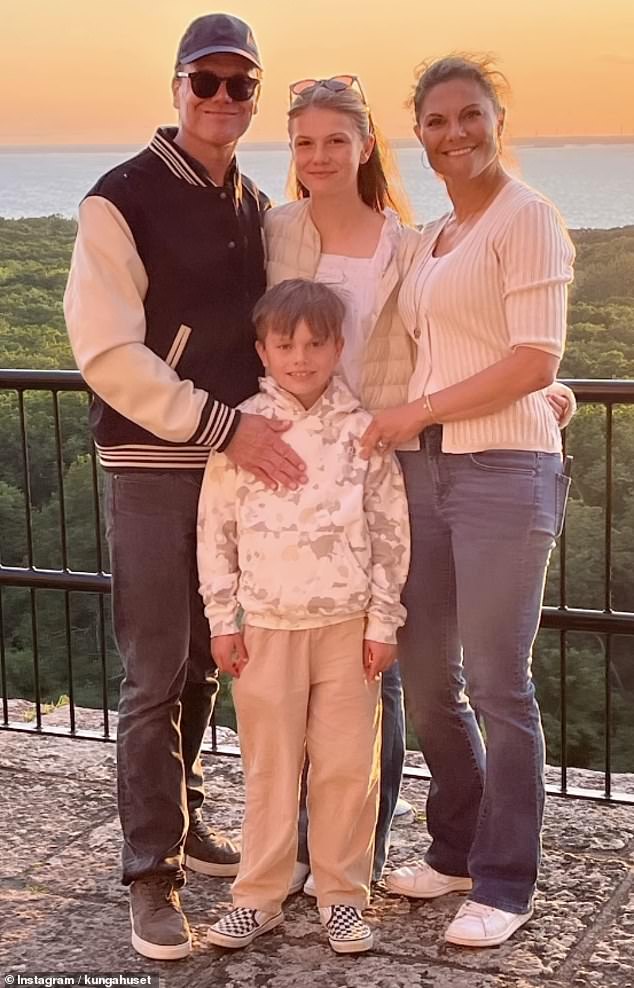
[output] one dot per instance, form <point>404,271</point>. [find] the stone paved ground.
<point>62,909</point>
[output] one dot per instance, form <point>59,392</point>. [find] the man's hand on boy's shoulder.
<point>229,653</point>
<point>377,657</point>
<point>256,446</point>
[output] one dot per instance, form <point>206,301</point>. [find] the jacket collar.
<point>296,244</point>
<point>390,236</point>
<point>187,168</point>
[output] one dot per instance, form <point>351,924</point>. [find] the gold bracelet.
<point>428,407</point>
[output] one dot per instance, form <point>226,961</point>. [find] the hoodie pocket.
<point>177,348</point>
<point>296,574</point>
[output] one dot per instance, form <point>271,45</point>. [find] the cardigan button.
<point>223,195</point>
<point>417,334</point>
<point>231,244</point>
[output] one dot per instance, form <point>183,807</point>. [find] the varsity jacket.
<point>165,272</point>
<point>336,548</point>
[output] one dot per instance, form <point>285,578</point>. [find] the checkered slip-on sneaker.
<point>347,931</point>
<point>241,926</point>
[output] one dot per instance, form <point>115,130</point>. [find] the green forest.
<point>34,259</point>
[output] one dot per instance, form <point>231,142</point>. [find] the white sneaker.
<point>348,933</point>
<point>309,886</point>
<point>421,881</point>
<point>477,925</point>
<point>402,807</point>
<point>241,926</point>
<point>404,813</point>
<point>300,872</point>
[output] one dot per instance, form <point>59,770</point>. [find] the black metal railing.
<point>55,443</point>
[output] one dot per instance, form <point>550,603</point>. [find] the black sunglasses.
<point>206,84</point>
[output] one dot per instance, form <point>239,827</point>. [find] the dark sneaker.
<point>241,926</point>
<point>159,927</point>
<point>348,933</point>
<point>210,853</point>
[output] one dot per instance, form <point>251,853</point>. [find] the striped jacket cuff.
<point>218,423</point>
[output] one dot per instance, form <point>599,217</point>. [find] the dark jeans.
<point>483,527</point>
<point>170,681</point>
<point>392,759</point>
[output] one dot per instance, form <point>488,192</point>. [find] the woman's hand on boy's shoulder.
<point>391,427</point>
<point>377,657</point>
<point>229,653</point>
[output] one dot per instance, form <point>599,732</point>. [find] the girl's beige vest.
<point>293,250</point>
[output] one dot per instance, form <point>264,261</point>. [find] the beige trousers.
<point>305,691</point>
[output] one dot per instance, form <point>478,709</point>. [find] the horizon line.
<point>281,144</point>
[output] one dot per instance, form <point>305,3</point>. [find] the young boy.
<point>318,573</point>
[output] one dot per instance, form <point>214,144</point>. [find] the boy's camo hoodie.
<point>336,547</point>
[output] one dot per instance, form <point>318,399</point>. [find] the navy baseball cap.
<point>213,34</point>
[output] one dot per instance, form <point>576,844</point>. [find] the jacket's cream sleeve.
<point>105,317</point>
<point>388,525</point>
<point>218,570</point>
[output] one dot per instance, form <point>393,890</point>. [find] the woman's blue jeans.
<point>483,527</point>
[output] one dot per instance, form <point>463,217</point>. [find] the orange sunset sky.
<point>81,72</point>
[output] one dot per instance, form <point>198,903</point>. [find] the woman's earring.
<point>424,159</point>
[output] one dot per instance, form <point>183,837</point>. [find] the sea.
<point>591,184</point>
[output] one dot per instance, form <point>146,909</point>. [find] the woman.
<point>347,229</point>
<point>486,301</point>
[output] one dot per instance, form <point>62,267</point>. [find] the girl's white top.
<point>356,279</point>
<point>503,286</point>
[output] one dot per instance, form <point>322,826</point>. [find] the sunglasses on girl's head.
<point>206,84</point>
<point>336,84</point>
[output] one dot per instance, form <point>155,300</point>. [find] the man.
<point>166,269</point>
